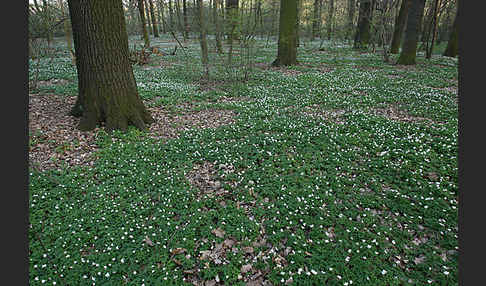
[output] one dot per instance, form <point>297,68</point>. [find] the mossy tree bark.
<point>154,20</point>
<point>148,18</point>
<point>106,83</point>
<point>453,43</point>
<point>362,37</point>
<point>409,49</point>
<point>145,34</point>
<point>287,34</point>
<point>399,27</point>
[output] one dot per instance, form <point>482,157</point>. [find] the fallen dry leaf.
<point>218,232</point>
<point>148,241</point>
<point>245,268</point>
<point>178,250</point>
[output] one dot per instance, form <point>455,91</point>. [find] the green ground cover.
<point>340,176</point>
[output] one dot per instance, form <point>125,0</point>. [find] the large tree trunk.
<point>287,35</point>
<point>409,50</point>
<point>107,88</point>
<point>453,44</point>
<point>362,38</point>
<point>154,20</point>
<point>144,26</point>
<point>400,22</point>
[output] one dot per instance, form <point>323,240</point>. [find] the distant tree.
<point>453,43</point>
<point>330,19</point>
<point>287,35</point>
<point>350,24</point>
<point>145,34</point>
<point>219,46</point>
<point>362,37</point>
<point>399,27</point>
<point>154,20</point>
<point>107,88</point>
<point>409,48</point>
<point>202,38</point>
<point>316,20</point>
<point>232,24</point>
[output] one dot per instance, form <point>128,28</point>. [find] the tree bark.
<point>287,35</point>
<point>399,28</point>
<point>316,20</point>
<point>107,88</point>
<point>330,20</point>
<point>186,22</point>
<point>362,38</point>
<point>154,20</point>
<point>351,11</point>
<point>219,46</point>
<point>144,26</point>
<point>409,50</point>
<point>232,23</point>
<point>148,17</point>
<point>434,30</point>
<point>202,38</point>
<point>453,43</point>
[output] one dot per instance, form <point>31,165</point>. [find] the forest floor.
<point>340,170</point>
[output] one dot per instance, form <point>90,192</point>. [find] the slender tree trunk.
<point>147,17</point>
<point>107,88</point>
<point>351,11</point>
<point>287,36</point>
<point>409,50</point>
<point>145,34</point>
<point>453,43</point>
<point>399,28</point>
<point>219,46</point>
<point>171,16</point>
<point>331,19</point>
<point>202,39</point>
<point>232,23</point>
<point>297,23</point>
<point>47,20</point>
<point>363,36</point>
<point>154,20</point>
<point>316,20</point>
<point>160,10</point>
<point>186,23</point>
<point>434,29</point>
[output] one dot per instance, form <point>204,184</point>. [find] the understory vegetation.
<point>341,170</point>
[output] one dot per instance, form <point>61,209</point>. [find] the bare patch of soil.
<point>168,125</point>
<point>55,142</point>
<point>331,115</point>
<point>392,112</point>
<point>54,138</point>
